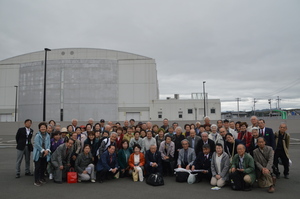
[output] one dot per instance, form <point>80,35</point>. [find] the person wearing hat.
<point>63,133</point>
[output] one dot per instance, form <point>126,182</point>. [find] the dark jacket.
<point>154,158</point>
<point>21,138</point>
<point>202,163</point>
<point>269,137</point>
<point>122,161</point>
<point>105,163</point>
<point>82,162</point>
<point>200,144</point>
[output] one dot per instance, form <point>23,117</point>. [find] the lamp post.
<point>45,74</point>
<point>204,98</point>
<point>16,103</point>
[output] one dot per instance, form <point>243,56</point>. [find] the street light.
<point>45,74</point>
<point>204,98</point>
<point>16,103</point>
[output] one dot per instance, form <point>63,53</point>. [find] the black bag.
<point>182,176</point>
<point>237,180</point>
<point>155,179</point>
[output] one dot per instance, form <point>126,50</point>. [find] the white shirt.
<point>27,134</point>
<point>136,159</point>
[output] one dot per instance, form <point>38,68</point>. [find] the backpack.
<point>155,179</point>
<point>237,180</point>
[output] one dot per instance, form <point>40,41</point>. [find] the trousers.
<point>20,154</point>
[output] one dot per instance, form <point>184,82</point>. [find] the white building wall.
<point>172,108</point>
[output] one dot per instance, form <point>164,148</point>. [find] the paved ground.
<point>125,188</point>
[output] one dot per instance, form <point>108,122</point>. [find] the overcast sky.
<point>242,49</point>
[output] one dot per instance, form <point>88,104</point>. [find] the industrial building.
<point>87,83</point>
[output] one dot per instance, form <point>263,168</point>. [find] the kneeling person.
<point>84,165</point>
<point>263,157</point>
<point>107,166</point>
<point>203,162</point>
<point>60,160</point>
<point>243,163</point>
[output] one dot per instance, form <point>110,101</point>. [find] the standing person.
<point>119,138</point>
<point>245,136</point>
<point>254,123</point>
<point>148,141</point>
<point>160,137</point>
<point>193,139</point>
<point>136,140</point>
<point>263,157</point>
<point>24,147</point>
<point>129,134</point>
<point>214,135</point>
<point>54,143</point>
<point>205,140</point>
<point>282,140</point>
<point>165,124</point>
<point>60,160</point>
<point>84,165</point>
<point>254,138</point>
<point>41,154</point>
<point>267,133</point>
<point>74,124</point>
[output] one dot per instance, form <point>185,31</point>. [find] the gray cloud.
<point>246,49</point>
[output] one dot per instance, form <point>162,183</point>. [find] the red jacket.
<point>119,141</point>
<point>131,160</point>
<point>245,138</point>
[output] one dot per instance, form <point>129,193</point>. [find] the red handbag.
<point>72,176</point>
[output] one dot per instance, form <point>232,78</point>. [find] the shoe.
<point>50,176</point>
<point>43,181</point>
<point>28,174</point>
<point>78,180</point>
<point>278,176</point>
<point>271,189</point>
<point>18,176</point>
<point>286,176</point>
<point>57,182</point>
<point>93,181</point>
<point>100,181</point>
<point>37,184</point>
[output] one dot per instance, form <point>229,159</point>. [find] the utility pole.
<point>278,107</point>
<point>238,106</point>
<point>254,101</point>
<point>270,102</point>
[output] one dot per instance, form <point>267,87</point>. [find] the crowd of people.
<point>97,152</point>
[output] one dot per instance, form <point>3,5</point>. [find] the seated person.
<point>203,162</point>
<point>137,161</point>
<point>84,165</point>
<point>186,155</point>
<point>123,156</point>
<point>107,166</point>
<point>60,161</point>
<point>167,149</point>
<point>220,165</point>
<point>244,163</point>
<point>153,160</point>
<point>263,157</point>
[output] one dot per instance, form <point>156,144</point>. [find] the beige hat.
<point>64,130</point>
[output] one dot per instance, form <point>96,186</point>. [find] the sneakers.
<point>50,176</point>
<point>37,184</point>
<point>28,174</point>
<point>18,176</point>
<point>78,180</point>
<point>93,181</point>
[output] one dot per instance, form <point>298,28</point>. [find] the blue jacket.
<point>37,148</point>
<point>104,161</point>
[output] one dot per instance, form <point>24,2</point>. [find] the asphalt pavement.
<point>125,188</point>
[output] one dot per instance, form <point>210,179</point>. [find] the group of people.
<point>216,152</point>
